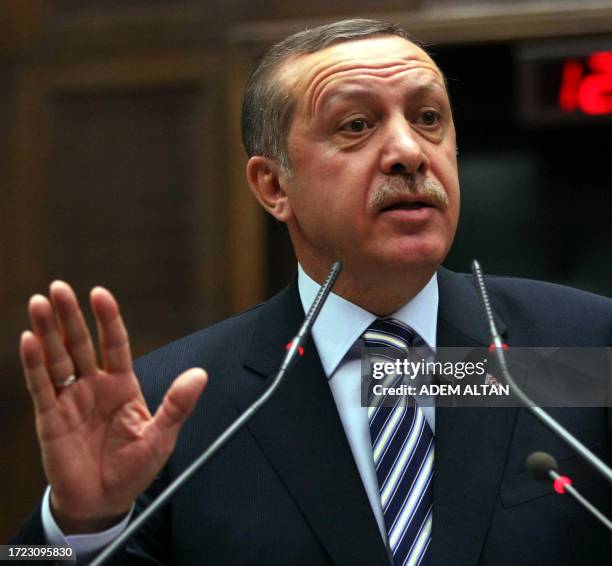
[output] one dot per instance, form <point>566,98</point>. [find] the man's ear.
<point>267,184</point>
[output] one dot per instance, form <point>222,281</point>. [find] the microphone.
<point>295,350</point>
<point>538,412</point>
<point>543,467</point>
<point>539,465</point>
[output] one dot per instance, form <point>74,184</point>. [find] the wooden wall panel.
<point>121,206</point>
<point>115,180</point>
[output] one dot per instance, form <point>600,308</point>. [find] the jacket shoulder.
<point>548,308</point>
<point>216,348</point>
<point>543,294</point>
<point>220,349</point>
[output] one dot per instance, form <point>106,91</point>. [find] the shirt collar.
<point>341,323</point>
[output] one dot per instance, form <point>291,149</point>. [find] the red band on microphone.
<point>492,347</point>
<point>560,483</point>
<point>300,349</point>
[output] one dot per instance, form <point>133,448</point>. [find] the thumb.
<point>180,400</point>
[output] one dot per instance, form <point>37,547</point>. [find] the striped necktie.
<point>403,450</point>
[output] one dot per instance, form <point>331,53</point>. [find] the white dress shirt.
<point>337,337</point>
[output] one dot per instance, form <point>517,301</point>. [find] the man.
<point>352,145</point>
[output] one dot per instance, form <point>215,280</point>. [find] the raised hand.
<point>100,445</point>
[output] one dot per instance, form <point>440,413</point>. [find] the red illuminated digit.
<point>595,91</point>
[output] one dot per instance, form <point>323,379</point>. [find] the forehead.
<point>309,76</point>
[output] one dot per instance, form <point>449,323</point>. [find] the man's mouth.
<point>416,205</point>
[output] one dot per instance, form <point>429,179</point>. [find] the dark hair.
<point>267,108</point>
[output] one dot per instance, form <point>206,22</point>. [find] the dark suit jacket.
<point>286,490</point>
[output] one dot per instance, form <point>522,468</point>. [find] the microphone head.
<point>539,464</point>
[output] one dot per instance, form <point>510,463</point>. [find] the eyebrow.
<point>346,94</point>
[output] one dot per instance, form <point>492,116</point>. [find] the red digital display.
<point>586,84</point>
<point>565,81</point>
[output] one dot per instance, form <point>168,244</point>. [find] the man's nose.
<point>403,149</point>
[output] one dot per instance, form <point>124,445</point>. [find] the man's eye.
<point>355,126</point>
<point>430,118</point>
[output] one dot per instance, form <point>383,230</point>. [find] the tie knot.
<point>389,332</point>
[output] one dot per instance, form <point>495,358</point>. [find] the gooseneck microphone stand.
<point>538,412</point>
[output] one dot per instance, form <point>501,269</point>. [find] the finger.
<point>76,334</point>
<point>58,362</point>
<point>114,341</point>
<point>179,401</point>
<point>36,375</point>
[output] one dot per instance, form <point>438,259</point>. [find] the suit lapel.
<point>471,443</point>
<point>300,432</point>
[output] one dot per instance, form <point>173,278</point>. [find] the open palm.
<point>100,445</point>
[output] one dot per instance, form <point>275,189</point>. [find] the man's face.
<point>372,147</point>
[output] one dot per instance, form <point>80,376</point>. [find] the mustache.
<point>416,185</point>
